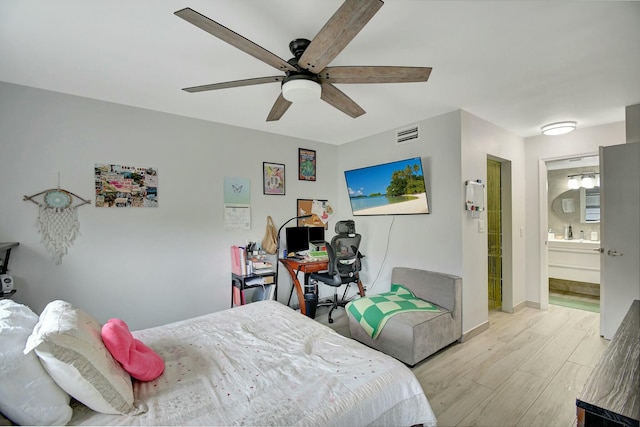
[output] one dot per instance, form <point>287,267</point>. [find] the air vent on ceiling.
<point>409,134</point>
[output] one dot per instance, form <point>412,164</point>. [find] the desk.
<point>611,396</point>
<point>295,266</point>
<point>240,282</point>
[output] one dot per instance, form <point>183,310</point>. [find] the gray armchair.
<point>411,337</point>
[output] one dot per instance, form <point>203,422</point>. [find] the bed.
<point>265,364</point>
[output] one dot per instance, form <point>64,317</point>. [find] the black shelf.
<point>7,246</point>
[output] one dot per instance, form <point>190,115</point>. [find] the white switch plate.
<point>480,226</point>
<point>521,231</point>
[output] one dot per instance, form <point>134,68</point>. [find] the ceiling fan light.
<point>558,128</point>
<point>301,90</point>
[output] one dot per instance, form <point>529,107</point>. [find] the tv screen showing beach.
<point>395,188</point>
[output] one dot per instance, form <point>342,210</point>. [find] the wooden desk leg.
<point>298,288</point>
<point>360,288</point>
<point>580,416</point>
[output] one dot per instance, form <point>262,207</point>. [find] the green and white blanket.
<point>372,312</point>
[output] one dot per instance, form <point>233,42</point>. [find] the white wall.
<point>430,241</point>
<point>454,148</point>
<point>149,265</point>
<point>538,150</point>
<point>480,140</point>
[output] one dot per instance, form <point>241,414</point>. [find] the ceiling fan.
<point>307,72</point>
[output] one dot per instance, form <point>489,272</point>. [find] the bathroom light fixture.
<point>558,128</point>
<point>573,183</point>
<point>586,180</point>
<point>301,89</point>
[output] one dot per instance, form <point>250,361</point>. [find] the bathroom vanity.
<point>575,260</point>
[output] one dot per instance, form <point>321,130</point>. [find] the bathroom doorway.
<point>573,230</point>
<point>494,234</point>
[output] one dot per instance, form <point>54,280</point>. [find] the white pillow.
<point>28,395</point>
<point>67,341</point>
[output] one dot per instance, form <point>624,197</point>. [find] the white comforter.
<point>265,364</point>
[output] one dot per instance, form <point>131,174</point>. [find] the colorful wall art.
<point>119,186</point>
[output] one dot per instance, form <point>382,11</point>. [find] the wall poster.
<point>119,186</point>
<point>273,178</point>
<point>237,199</point>
<point>306,164</point>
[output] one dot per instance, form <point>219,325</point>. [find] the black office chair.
<point>344,262</point>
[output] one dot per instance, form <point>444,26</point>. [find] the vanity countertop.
<point>579,241</point>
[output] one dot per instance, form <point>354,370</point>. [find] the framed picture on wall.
<point>306,164</point>
<point>273,178</point>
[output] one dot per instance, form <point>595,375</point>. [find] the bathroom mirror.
<point>567,205</point>
<point>578,206</point>
<point>589,205</point>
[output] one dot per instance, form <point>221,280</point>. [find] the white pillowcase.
<point>28,395</point>
<point>67,341</point>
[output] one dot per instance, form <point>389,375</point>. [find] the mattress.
<point>265,364</point>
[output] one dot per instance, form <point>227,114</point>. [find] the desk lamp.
<point>278,242</point>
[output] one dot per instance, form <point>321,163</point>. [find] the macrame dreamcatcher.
<point>57,219</point>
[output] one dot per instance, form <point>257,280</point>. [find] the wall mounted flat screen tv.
<point>396,188</point>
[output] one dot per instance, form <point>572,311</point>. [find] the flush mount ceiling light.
<point>301,89</point>
<point>558,128</point>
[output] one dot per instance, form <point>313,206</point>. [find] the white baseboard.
<point>520,306</point>
<point>475,331</point>
<point>532,304</point>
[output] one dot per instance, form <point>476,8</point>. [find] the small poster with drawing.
<point>273,178</point>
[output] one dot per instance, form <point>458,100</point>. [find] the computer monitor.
<point>316,234</point>
<point>297,239</point>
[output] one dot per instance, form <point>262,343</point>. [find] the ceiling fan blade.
<point>336,34</point>
<point>381,74</point>
<point>234,39</point>
<point>236,83</point>
<point>279,108</point>
<point>335,97</point>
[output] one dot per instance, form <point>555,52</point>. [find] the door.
<point>620,229</point>
<point>494,234</point>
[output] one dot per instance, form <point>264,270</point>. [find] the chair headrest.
<point>346,227</point>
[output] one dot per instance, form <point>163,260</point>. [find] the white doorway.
<point>569,218</point>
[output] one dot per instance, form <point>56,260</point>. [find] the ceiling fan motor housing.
<point>298,46</point>
<point>301,85</point>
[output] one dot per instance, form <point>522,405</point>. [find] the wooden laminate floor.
<point>525,370</point>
